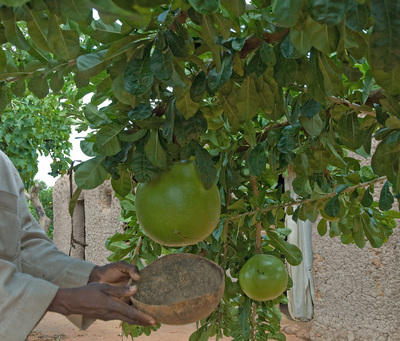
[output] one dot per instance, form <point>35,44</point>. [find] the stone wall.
<point>357,294</point>
<point>96,218</point>
<point>357,291</point>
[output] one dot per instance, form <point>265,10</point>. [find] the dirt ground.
<point>55,327</point>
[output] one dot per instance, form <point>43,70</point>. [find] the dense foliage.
<point>250,90</point>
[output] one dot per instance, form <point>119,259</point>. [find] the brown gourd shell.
<point>179,288</point>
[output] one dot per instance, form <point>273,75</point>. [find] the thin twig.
<point>306,201</point>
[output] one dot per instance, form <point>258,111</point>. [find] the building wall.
<point>96,218</point>
<point>357,294</point>
<point>357,291</point>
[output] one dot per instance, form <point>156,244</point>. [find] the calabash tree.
<point>250,91</point>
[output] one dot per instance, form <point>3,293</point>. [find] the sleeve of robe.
<point>32,269</point>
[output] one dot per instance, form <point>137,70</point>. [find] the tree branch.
<point>306,201</point>
<point>44,220</point>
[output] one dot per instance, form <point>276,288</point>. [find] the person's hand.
<point>118,274</point>
<point>100,301</point>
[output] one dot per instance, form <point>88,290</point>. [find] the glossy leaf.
<point>91,64</point>
<point>206,167</point>
<point>350,131</point>
<point>91,173</point>
<point>107,140</point>
<point>138,77</point>
<point>257,160</point>
<point>332,207</point>
<point>205,6</point>
<point>330,12</point>
<point>215,79</point>
<point>247,100</point>
<point>154,150</point>
<point>161,63</point>
<point>287,12</point>
<point>63,43</point>
<point>386,199</point>
<point>292,253</point>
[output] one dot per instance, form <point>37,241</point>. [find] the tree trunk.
<point>44,220</point>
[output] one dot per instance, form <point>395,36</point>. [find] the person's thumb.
<point>120,292</point>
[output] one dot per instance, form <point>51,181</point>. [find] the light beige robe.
<point>31,267</point>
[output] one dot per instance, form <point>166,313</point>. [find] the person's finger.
<point>132,315</point>
<point>130,269</point>
<point>119,292</point>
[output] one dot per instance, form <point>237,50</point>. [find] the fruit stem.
<point>253,182</point>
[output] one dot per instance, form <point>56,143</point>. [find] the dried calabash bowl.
<point>179,289</point>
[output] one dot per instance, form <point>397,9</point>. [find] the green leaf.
<point>358,231</point>
<point>91,173</point>
<point>330,12</point>
<point>332,207</point>
<point>140,112</point>
<point>39,86</point>
<point>267,54</point>
<point>215,79</point>
<point>37,28</point>
<point>386,156</point>
<point>323,37</point>
<point>14,2</point>
<point>198,87</point>
<point>210,35</point>
<point>243,318</point>
<point>14,34</point>
<point>322,227</point>
<point>154,150</point>
<point>371,231</point>
<point>107,141</point>
<point>206,167</point>
<point>310,108</point>
<point>386,199</point>
<point>248,100</point>
<point>236,7</point>
<point>73,201</point>
<point>57,80</point>
<point>77,10</point>
<point>230,109</point>
<point>186,107</point>
<point>285,70</point>
<point>177,44</point>
<point>367,198</point>
<point>287,12</point>
<point>384,42</point>
<point>257,159</point>
<point>106,34</point>
<point>94,116</point>
<point>315,78</point>
<point>205,6</point>
<point>138,77</point>
<point>161,63</point>
<point>142,168</point>
<point>315,125</point>
<point>91,64</point>
<point>357,16</point>
<point>63,43</point>
<point>300,40</point>
<point>350,131</point>
<point>256,66</point>
<point>291,252</point>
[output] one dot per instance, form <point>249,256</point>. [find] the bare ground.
<point>55,327</point>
